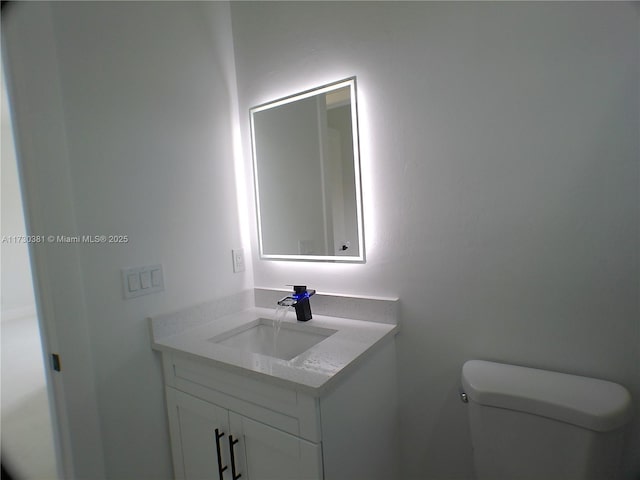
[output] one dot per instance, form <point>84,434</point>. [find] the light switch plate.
<point>238,259</point>
<point>137,281</point>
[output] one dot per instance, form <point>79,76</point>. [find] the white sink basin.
<point>261,336</point>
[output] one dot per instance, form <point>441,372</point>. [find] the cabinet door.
<point>266,453</point>
<point>198,429</point>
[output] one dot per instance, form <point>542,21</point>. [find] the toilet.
<point>535,424</point>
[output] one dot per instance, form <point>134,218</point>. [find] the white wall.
<point>500,162</point>
<point>16,289</point>
<point>147,93</point>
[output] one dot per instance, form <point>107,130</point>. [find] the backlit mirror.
<point>307,175</point>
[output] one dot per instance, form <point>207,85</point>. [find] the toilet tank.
<point>535,424</point>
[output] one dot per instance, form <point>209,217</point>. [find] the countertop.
<point>312,372</point>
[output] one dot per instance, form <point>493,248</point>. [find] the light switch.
<point>156,277</point>
<point>145,279</point>
<point>133,282</point>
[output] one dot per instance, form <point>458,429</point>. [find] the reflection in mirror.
<point>307,175</point>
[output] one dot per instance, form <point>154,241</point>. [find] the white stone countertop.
<point>313,371</point>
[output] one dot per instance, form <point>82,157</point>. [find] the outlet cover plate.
<point>238,260</point>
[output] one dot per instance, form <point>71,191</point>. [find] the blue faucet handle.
<point>300,300</point>
<point>298,288</point>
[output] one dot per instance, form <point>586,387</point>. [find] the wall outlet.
<point>238,260</point>
<point>137,281</point>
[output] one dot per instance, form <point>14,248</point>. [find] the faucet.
<point>300,300</point>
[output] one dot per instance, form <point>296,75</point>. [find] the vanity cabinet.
<point>224,422</point>
<point>216,443</point>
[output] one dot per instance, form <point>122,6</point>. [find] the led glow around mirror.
<point>307,176</point>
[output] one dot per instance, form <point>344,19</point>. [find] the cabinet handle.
<point>232,442</point>
<point>221,469</point>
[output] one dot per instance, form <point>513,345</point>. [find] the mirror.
<point>307,176</point>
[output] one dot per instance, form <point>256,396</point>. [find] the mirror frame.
<point>348,82</point>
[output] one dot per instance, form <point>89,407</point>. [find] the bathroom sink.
<point>263,337</point>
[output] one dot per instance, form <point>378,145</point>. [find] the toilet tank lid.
<point>587,402</point>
